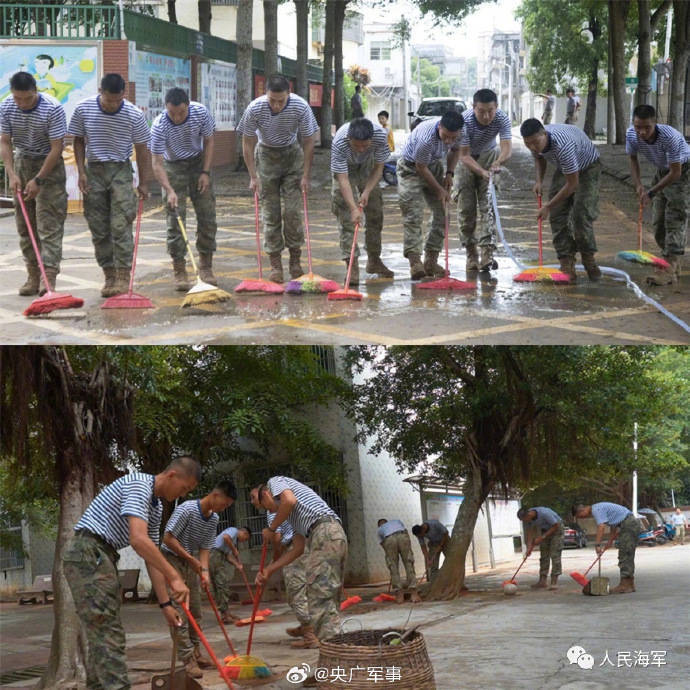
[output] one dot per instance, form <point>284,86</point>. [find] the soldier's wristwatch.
<point>39,180</point>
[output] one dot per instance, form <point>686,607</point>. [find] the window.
<point>380,50</point>
<point>325,357</point>
<point>11,552</point>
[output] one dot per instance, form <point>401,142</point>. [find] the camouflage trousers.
<point>222,573</point>
<point>91,571</point>
<point>280,171</point>
<point>295,576</point>
<point>110,207</point>
<point>550,554</point>
<point>325,567</point>
<point>358,174</point>
<point>572,220</point>
<point>187,638</point>
<point>47,212</point>
<point>472,193</point>
<point>413,193</point>
<point>435,561</point>
<point>397,546</point>
<point>627,543</point>
<point>184,176</point>
<point>670,211</point>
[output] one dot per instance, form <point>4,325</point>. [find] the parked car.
<point>574,535</point>
<point>434,107</point>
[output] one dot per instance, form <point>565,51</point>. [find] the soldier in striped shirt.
<point>573,204</point>
<point>224,559</point>
<point>666,149</point>
<point>421,180</point>
<point>358,152</point>
<point>105,127</point>
<point>479,158</point>
<point>191,529</point>
<point>279,167</point>
<point>182,152</point>
<point>549,527</point>
<point>127,512</point>
<point>35,125</point>
<point>318,528</point>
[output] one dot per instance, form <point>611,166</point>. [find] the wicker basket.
<point>404,666</point>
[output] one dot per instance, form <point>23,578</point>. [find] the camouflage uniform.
<point>434,567</point>
<point>325,567</point>
<point>187,637</point>
<point>627,543</point>
<point>412,193</point>
<point>280,171</point>
<point>183,176</point>
<point>472,191</point>
<point>358,174</point>
<point>222,573</point>
<point>90,567</point>
<point>110,207</point>
<point>571,221</point>
<point>47,212</point>
<point>295,576</point>
<point>398,546</point>
<point>670,209</point>
<point>550,552</point>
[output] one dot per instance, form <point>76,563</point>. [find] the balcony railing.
<point>64,22</point>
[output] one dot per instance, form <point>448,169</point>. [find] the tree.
<point>648,24</point>
<point>681,55</point>
<point>618,14</point>
<point>327,78</point>
<point>204,9</point>
<point>339,100</point>
<point>444,11</point>
<point>302,19</point>
<point>499,418</point>
<point>270,37</point>
<point>243,38</point>
<point>433,84</point>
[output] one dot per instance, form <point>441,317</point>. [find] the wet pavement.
<point>499,311</point>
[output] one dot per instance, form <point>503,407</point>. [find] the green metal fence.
<point>61,22</point>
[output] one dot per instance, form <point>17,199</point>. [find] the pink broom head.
<point>579,578</point>
<point>256,285</point>
<point>350,601</point>
<point>348,293</point>
<point>642,257</point>
<point>311,284</point>
<point>384,597</point>
<point>541,274</point>
<point>447,284</point>
<point>52,301</point>
<point>127,301</point>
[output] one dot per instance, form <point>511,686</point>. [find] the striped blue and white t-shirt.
<point>388,528</point>
<point>568,148</point>
<point>191,528</point>
<point>186,140</point>
<point>285,529</point>
<point>342,153</point>
<point>109,136</point>
<point>219,542</point>
<point>668,147</point>
<point>482,138</point>
<point>424,145</point>
<point>310,506</point>
<point>546,518</point>
<point>610,513</point>
<point>31,130</point>
<point>108,514</point>
<point>278,129</point>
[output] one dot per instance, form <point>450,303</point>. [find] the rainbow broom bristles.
<point>638,255</point>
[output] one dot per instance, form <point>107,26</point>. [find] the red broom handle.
<point>445,239</point>
<point>352,255</point>
<point>256,599</point>
<point>639,229</point>
<point>136,245</point>
<point>218,618</point>
<point>246,582</point>
<point>204,641</point>
<point>33,241</point>
<point>539,225</point>
<point>595,562</point>
<point>258,238</point>
<point>306,228</point>
<point>520,566</point>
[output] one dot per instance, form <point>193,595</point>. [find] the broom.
<point>639,256</point>
<point>201,293</point>
<point>512,580</point>
<point>129,299</point>
<point>218,617</point>
<point>346,293</point>
<point>51,300</point>
<point>447,283</point>
<point>309,282</point>
<point>260,285</point>
<point>541,273</point>
<point>582,579</point>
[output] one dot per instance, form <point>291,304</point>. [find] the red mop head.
<point>579,578</point>
<point>52,301</point>
<point>446,284</point>
<point>345,293</point>
<point>312,284</point>
<point>384,597</point>
<point>642,257</point>
<point>257,285</point>
<point>541,274</point>
<point>350,601</point>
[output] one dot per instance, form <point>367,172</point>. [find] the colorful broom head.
<point>579,578</point>
<point>260,285</point>
<point>52,301</point>
<point>350,601</point>
<point>642,257</point>
<point>446,284</point>
<point>310,283</point>
<point>384,597</point>
<point>541,274</point>
<point>245,667</point>
<point>204,293</point>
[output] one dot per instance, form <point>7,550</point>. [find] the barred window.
<point>11,552</point>
<point>380,50</point>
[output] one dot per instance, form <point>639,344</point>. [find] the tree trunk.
<point>618,13</point>
<point>243,38</point>
<point>326,110</point>
<point>593,85</point>
<point>644,54</point>
<point>172,12</point>
<point>680,55</point>
<point>302,10</point>
<point>205,16</point>
<point>270,37</point>
<point>339,103</point>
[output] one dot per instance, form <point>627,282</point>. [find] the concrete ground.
<point>499,311</point>
<point>482,640</point>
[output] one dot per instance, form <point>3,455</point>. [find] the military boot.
<point>182,283</point>
<point>417,271</point>
<point>33,277</point>
<point>431,266</point>
<point>192,668</point>
<point>400,597</point>
<point>354,274</point>
<point>206,269</point>
<point>108,289</point>
<point>666,276</point>
<point>201,660</point>
<point>308,641</point>
<point>294,632</point>
<point>593,271</point>
<point>375,265</point>
<point>487,261</point>
<point>627,585</point>
<point>568,267</point>
<point>276,267</point>
<point>295,266</point>
<point>541,584</point>
<point>554,582</point>
<point>472,259</point>
<point>51,275</point>
<point>122,280</point>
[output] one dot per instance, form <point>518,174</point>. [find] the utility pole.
<point>610,112</point>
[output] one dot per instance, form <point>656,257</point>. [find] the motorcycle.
<point>390,177</point>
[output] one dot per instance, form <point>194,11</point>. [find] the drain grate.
<point>22,674</point>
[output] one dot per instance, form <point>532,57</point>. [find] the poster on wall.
<point>154,74</point>
<point>444,508</point>
<point>218,92</point>
<point>69,72</point>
